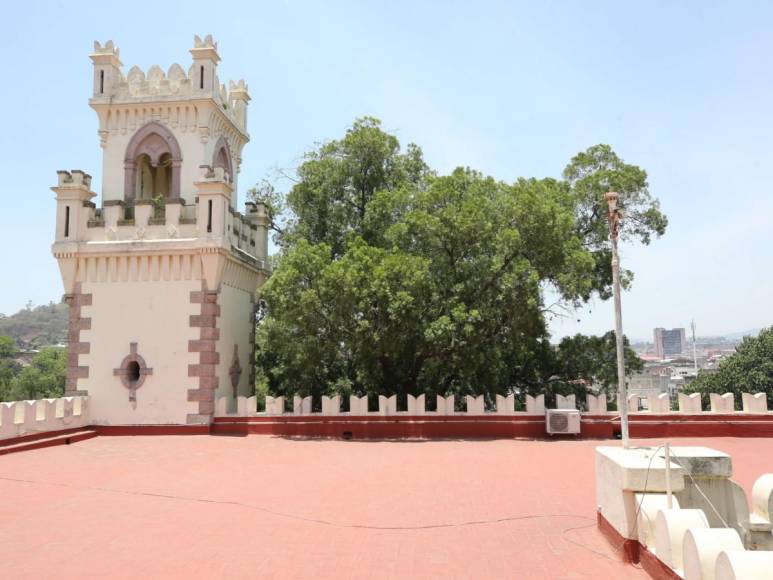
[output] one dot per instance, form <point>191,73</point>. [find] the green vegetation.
<point>394,279</point>
<point>43,378</point>
<point>748,370</point>
<point>36,326</point>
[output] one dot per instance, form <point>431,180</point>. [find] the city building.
<point>670,342</point>
<point>161,277</point>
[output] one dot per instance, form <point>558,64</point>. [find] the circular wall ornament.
<point>132,371</point>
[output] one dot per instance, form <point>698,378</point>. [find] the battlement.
<point>75,178</point>
<point>206,43</point>
<point>20,418</point>
<point>108,49</point>
<point>199,81</point>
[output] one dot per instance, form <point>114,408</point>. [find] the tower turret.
<point>107,69</point>
<point>161,279</point>
<point>204,69</point>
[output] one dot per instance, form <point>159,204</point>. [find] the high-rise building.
<point>670,342</point>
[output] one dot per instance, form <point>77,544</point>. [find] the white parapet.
<point>722,403</point>
<point>621,474</point>
<point>701,548</point>
<point>243,408</point>
<point>387,405</point>
<point>475,405</point>
<point>535,405</point>
<point>690,403</point>
<point>743,565</point>
<point>648,506</point>
<point>416,405</point>
<point>761,516</point>
<point>670,527</point>
<point>221,407</point>
<point>275,405</point>
<point>762,497</point>
<point>568,402</point>
<point>445,405</point>
<point>506,405</point>
<point>634,403</point>
<point>28,417</point>
<point>252,405</point>
<point>301,405</point>
<point>659,403</point>
<point>331,405</point>
<point>754,402</point>
<point>597,404</point>
<point>358,405</point>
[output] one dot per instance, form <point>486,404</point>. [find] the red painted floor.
<point>262,507</point>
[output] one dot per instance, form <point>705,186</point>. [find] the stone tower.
<point>161,278</point>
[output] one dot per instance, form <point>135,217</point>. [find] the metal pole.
<point>622,395</point>
<point>694,350</point>
<point>669,500</point>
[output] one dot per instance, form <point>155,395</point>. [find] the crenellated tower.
<point>161,276</point>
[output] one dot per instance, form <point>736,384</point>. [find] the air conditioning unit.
<point>562,421</point>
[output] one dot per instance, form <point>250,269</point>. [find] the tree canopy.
<point>44,377</point>
<point>392,278</point>
<point>748,370</point>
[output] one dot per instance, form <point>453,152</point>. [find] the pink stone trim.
<point>76,323</point>
<point>123,371</point>
<point>206,346</point>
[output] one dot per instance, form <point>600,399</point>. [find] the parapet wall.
<point>22,418</point>
<point>596,405</point>
<point>476,420</point>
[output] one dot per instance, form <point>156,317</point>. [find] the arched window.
<point>153,181</point>
<point>222,157</point>
<point>152,164</point>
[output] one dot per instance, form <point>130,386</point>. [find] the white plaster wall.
<point>155,315</point>
<point>235,323</point>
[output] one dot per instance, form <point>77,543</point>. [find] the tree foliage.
<point>582,361</point>
<point>43,378</point>
<point>394,279</point>
<point>748,370</point>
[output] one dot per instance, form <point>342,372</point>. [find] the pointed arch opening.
<point>221,157</point>
<point>152,164</point>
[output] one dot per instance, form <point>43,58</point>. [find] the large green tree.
<point>393,279</point>
<point>583,361</point>
<point>748,370</point>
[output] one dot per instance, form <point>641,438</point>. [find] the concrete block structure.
<point>704,530</point>
<point>161,277</point>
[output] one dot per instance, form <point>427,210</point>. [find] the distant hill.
<point>36,326</point>
<point>740,335</point>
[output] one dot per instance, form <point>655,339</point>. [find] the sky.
<point>513,89</point>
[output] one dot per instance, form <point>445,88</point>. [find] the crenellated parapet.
<point>22,418</point>
<point>502,405</point>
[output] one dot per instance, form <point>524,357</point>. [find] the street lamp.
<point>614,215</point>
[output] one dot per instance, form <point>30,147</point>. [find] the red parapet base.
<point>46,439</point>
<point>633,552</point>
<point>491,426</point>
<point>128,430</point>
<point>384,427</point>
<point>646,425</point>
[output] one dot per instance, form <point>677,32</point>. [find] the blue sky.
<point>684,90</point>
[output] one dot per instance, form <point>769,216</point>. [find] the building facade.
<point>161,277</point>
<point>670,342</point>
